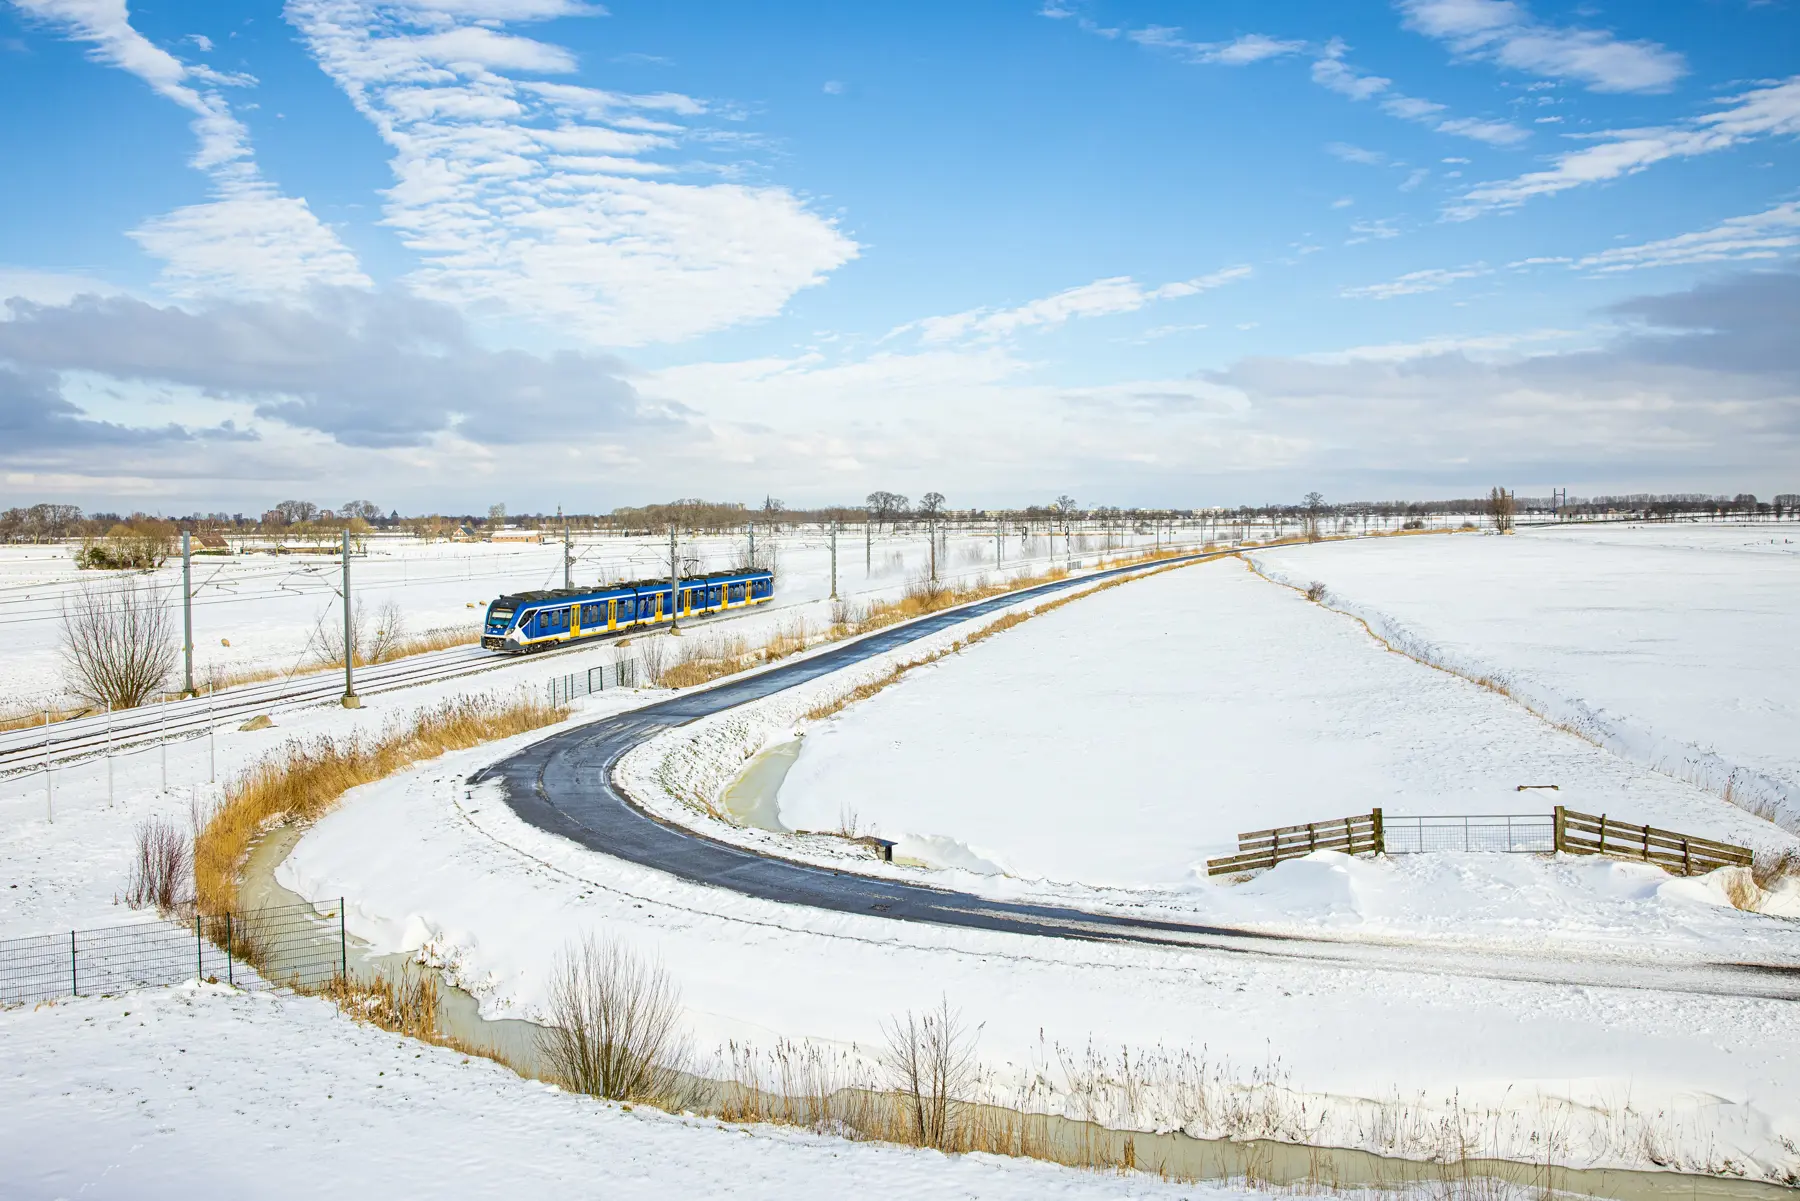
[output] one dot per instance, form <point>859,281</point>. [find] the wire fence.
<point>1517,833</point>
<point>295,947</point>
<point>586,683</point>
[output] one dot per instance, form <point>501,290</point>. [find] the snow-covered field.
<point>1674,646</point>
<point>197,1091</point>
<point>1096,753</point>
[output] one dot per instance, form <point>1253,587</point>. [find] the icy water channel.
<point>754,798</point>
<point>515,1043</point>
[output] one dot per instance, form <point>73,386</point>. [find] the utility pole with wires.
<point>751,566</point>
<point>187,614</point>
<point>350,699</point>
<point>868,547</point>
<point>568,553</point>
<point>834,533</point>
<point>674,582</point>
<point>931,533</point>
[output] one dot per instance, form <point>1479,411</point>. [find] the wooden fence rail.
<point>1265,848</point>
<point>1681,854</point>
<point>1575,834</point>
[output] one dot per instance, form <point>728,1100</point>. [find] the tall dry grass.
<point>302,781</point>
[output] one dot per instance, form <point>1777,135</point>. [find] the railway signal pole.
<point>187,613</point>
<point>350,700</point>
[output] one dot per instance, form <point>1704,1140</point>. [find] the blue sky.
<point>449,252</point>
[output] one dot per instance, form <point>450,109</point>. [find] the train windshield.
<point>501,615</point>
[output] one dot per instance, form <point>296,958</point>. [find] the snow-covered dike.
<point>198,1091</point>
<point>1674,646</point>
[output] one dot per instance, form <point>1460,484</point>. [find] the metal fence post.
<point>199,964</point>
<point>230,976</point>
<point>343,945</point>
<point>74,980</point>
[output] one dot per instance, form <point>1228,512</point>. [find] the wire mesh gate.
<point>1483,832</point>
<point>294,947</point>
<point>586,683</point>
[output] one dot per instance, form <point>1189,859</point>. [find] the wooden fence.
<point>1265,848</point>
<point>1575,834</point>
<point>1682,854</point>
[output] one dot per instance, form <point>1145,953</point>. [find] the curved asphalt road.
<point>564,785</point>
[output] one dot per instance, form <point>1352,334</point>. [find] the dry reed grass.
<point>301,781</point>
<point>24,721</point>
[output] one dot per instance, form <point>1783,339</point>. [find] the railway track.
<point>32,747</point>
<point>85,737</point>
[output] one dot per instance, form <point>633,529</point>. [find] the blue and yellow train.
<point>529,621</point>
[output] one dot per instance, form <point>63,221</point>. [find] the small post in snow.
<point>50,792</point>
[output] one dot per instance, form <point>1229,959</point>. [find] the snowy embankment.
<point>1672,646</point>
<point>199,1090</point>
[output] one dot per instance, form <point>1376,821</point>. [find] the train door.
<point>612,614</point>
<point>574,621</point>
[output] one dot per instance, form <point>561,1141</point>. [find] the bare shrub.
<point>654,654</point>
<point>139,546</point>
<point>615,1018</point>
<point>162,870</point>
<point>118,644</point>
<point>1315,591</point>
<point>386,640</point>
<point>930,1062</point>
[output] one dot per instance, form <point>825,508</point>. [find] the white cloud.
<point>1378,229</point>
<point>1772,234</point>
<point>833,87</point>
<point>1356,154</point>
<point>1241,51</point>
<point>1343,202</point>
<point>541,198</point>
<point>1103,297</point>
<point>1331,71</point>
<point>1415,282</point>
<point>250,239</point>
<point>1769,111</point>
<point>1504,32</point>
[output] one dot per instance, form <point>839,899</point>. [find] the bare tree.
<point>929,1059</point>
<point>376,645</point>
<point>496,515</point>
<point>295,512</point>
<point>1064,504</point>
<point>162,873</point>
<point>886,507</point>
<point>367,510</point>
<point>1501,507</point>
<point>118,644</point>
<point>615,1018</point>
<point>931,505</point>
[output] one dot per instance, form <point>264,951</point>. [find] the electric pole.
<point>931,533</point>
<point>752,563</point>
<point>568,553</point>
<point>997,537</point>
<point>674,581</point>
<point>187,613</point>
<point>834,530</point>
<point>868,548</point>
<point>351,700</point>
